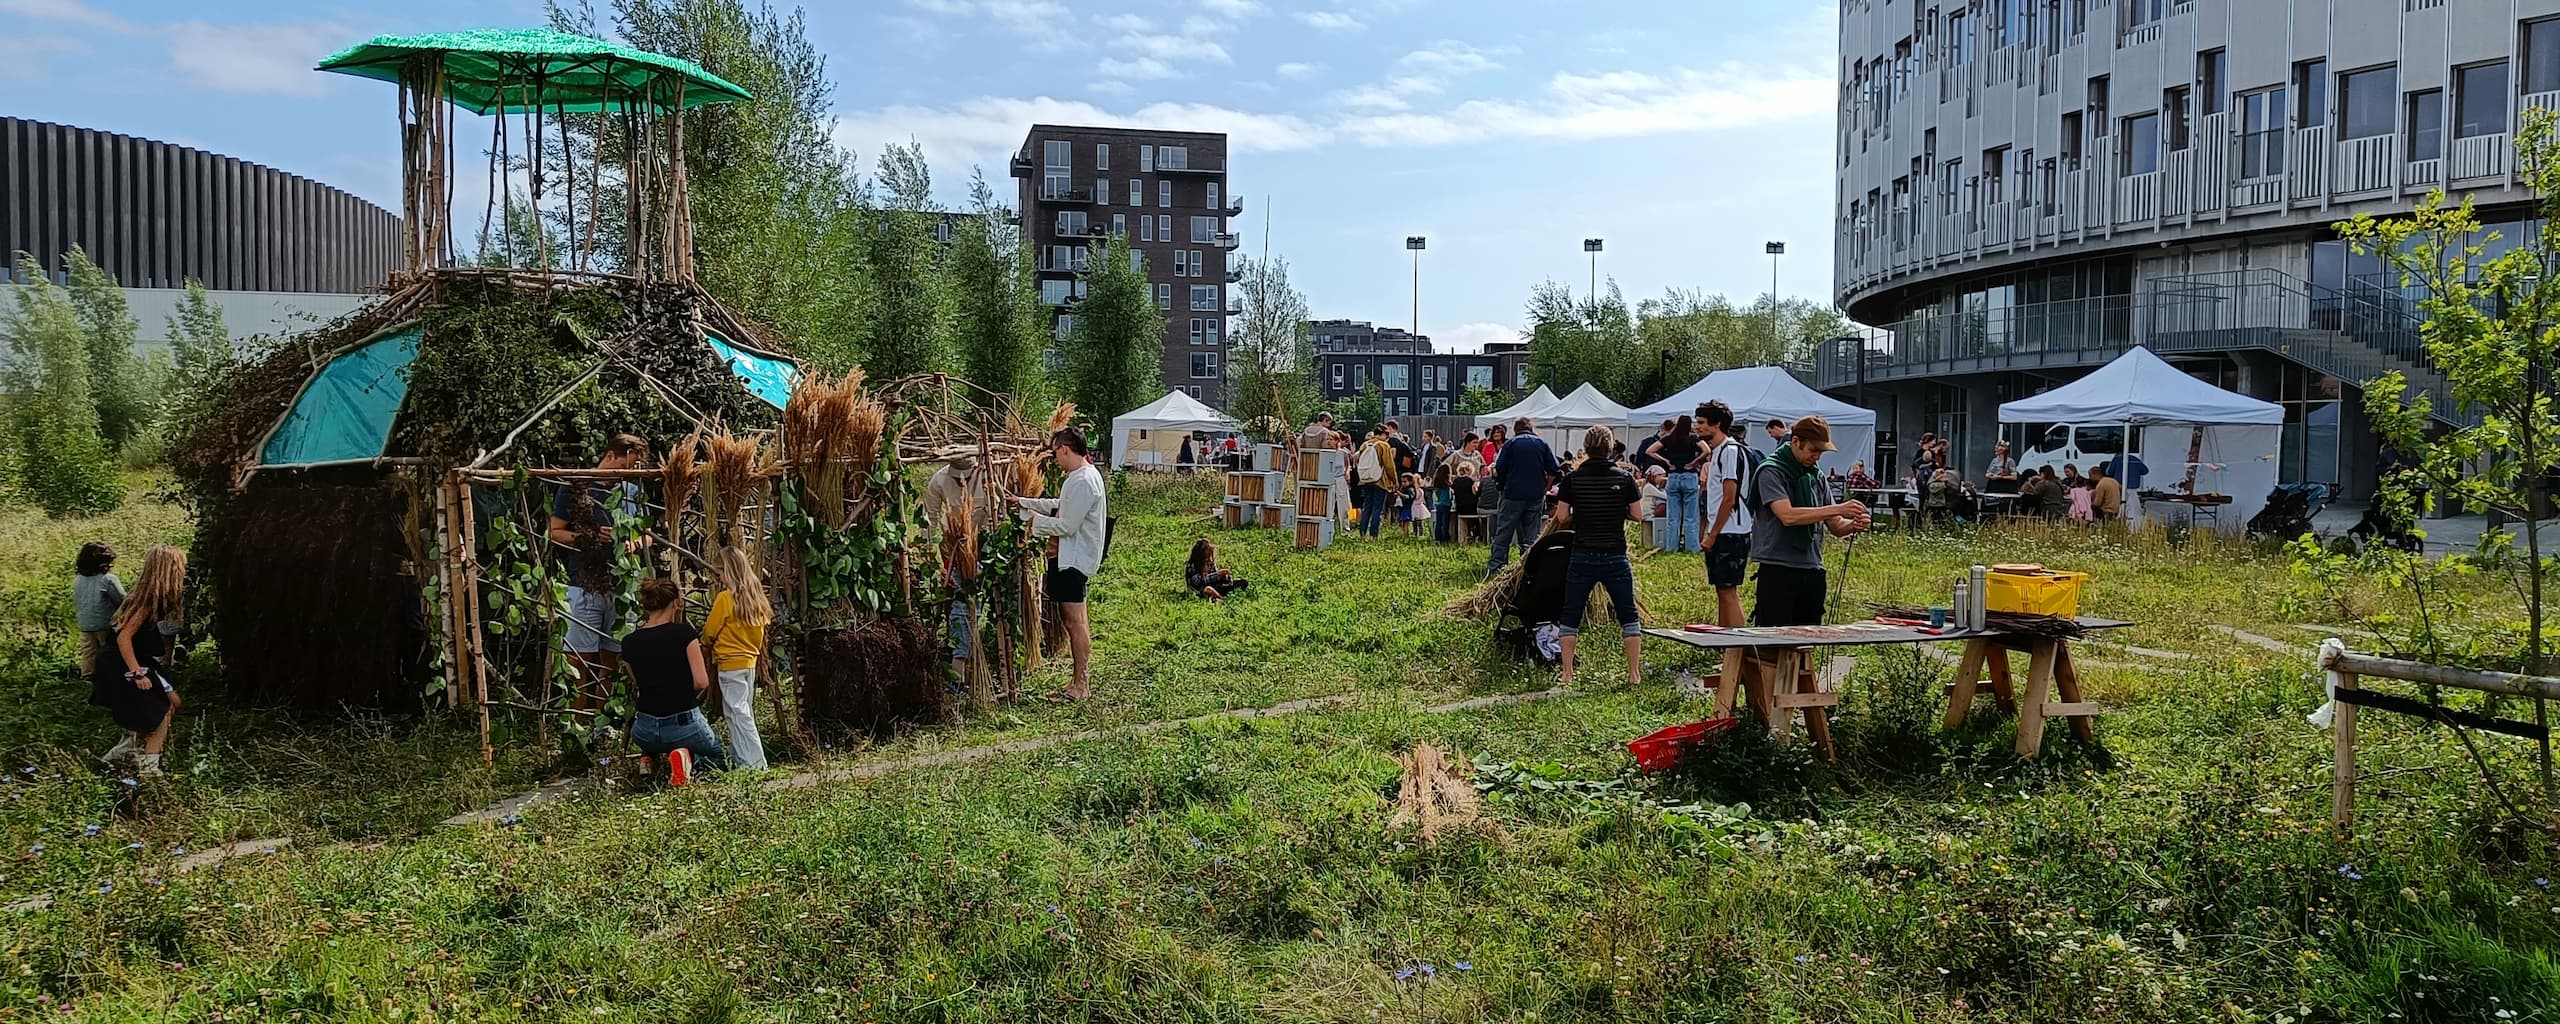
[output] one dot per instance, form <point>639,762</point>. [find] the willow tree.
<point>1115,352</point>
<point>1272,371</point>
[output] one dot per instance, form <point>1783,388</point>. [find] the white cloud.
<point>1296,69</point>
<point>1147,68</point>
<point>1038,18</point>
<point>1582,107</point>
<point>1448,59</point>
<point>988,129</point>
<point>1112,87</point>
<point>1231,8</point>
<point>1372,97</point>
<point>1330,21</point>
<point>258,59</point>
<point>1423,72</point>
<point>1127,23</point>
<point>22,57</point>
<point>1175,47</point>
<point>1473,337</point>
<point>69,12</point>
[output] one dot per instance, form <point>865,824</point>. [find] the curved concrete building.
<point>2029,187</point>
<point>277,250</point>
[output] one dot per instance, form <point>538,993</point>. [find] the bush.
<point>67,471</point>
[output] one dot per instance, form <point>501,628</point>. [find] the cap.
<point>1816,430</point>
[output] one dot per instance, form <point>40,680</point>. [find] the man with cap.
<point>1787,527</point>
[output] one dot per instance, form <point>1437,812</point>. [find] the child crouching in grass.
<point>669,677</point>
<point>1205,578</point>
<point>735,631</point>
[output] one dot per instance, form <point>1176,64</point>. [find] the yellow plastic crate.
<point>2045,592</point>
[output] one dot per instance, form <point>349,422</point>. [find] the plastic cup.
<point>1938,618</point>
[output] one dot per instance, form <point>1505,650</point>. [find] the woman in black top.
<point>1598,498</point>
<point>129,680</point>
<point>1680,452</point>
<point>669,676</point>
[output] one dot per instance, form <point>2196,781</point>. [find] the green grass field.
<point>2181,870</point>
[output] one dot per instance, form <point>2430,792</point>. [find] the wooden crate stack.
<point>1258,496</point>
<point>1317,469</point>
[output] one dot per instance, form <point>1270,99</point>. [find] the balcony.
<point>1051,265</point>
<point>1235,275</point>
<point>1069,196</point>
<point>1022,166</point>
<point>1226,240</point>
<point>1189,168</point>
<point>1234,208</point>
<point>1235,307</point>
<point>1087,229</point>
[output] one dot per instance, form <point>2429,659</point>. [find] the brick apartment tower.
<point>1167,193</point>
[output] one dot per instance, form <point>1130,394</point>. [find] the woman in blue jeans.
<point>669,676</point>
<point>1596,500</point>
<point>1680,452</point>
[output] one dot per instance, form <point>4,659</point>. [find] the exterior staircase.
<point>2351,336</point>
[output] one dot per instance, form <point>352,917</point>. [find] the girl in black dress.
<point>133,685</point>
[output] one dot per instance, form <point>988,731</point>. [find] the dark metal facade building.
<point>155,215</point>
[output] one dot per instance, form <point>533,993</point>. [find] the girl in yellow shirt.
<point>734,636</point>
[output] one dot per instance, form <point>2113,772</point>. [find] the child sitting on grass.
<point>669,677</point>
<point>1204,577</point>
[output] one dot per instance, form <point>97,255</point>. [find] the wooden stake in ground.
<point>1435,796</point>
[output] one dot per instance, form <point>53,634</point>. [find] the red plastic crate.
<point>1661,749</point>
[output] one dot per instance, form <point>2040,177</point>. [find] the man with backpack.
<point>1730,463</point>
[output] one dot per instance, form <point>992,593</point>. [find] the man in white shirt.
<point>1078,517</point>
<point>1728,538</point>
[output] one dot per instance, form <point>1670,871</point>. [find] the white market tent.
<point>2162,407</point>
<point>1585,408</point>
<point>1533,407</point>
<point>1152,435</point>
<point>1758,394</point>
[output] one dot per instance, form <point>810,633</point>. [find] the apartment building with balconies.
<point>2029,187</point>
<point>1166,192</point>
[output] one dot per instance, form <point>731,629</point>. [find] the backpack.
<point>1368,471</point>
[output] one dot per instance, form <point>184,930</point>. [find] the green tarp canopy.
<point>345,412</point>
<point>517,70</point>
<point>764,376</point>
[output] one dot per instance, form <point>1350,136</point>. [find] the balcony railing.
<point>2364,165</point>
<point>2481,156</point>
<point>1235,275</point>
<point>1226,240</point>
<point>1066,194</point>
<point>1088,229</point>
<point>1234,208</point>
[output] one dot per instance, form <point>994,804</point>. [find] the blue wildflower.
<point>106,887</point>
<point>1404,974</point>
<point>130,781</point>
<point>1053,908</point>
<point>37,848</point>
<point>88,831</point>
<point>179,851</point>
<point>1804,957</point>
<point>1463,965</point>
<point>509,820</point>
<point>2542,882</point>
<point>2349,870</point>
<point>1428,971</point>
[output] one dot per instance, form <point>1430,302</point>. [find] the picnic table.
<point>1773,666</point>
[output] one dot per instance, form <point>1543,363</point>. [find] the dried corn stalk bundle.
<point>681,474</point>
<point>1434,795</point>
<point>816,435</point>
<point>866,419</point>
<point>736,465</point>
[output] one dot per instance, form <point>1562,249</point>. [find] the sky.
<point>1683,132</point>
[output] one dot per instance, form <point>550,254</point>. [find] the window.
<point>1054,292</point>
<point>1195,329</point>
<point>1395,376</point>
<point>2311,94</point>
<point>1204,365</point>
<point>2140,145</point>
<point>2173,104</point>
<point>1102,191</point>
<point>2098,121</point>
<point>1959,39</point>
<point>2262,133</point>
<point>1359,375</point>
<point>1435,406</point>
<point>1119,225</point>
<point>2480,100</point>
<point>1102,156</point>
<point>1137,192</point>
<point>1214,323</point>
<point>1164,297</point>
<point>1404,407</point>
<point>1173,158</point>
<point>1137,261</point>
<point>2212,96</point>
<point>1337,373</point>
<point>1057,167</point>
<point>2365,102</point>
<point>1213,196</point>
<point>1071,222</point>
<point>2426,125</point>
<point>1164,194</point>
<point>1204,229</point>
<point>1164,227</point>
<point>1995,21</point>
<point>2542,56</point>
<point>1147,159</point>
<point>2138,13</point>
<point>1995,173</point>
<point>2071,140</point>
<point>1066,325</point>
<point>1480,377</point>
<point>1520,376</point>
<point>1204,296</point>
<point>1146,228</point>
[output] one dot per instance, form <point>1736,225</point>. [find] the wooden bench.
<point>1475,528</point>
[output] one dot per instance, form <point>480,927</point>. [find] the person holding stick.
<point>1079,517</point>
<point>1787,527</point>
<point>582,517</point>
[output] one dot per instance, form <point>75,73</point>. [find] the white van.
<point>2064,444</point>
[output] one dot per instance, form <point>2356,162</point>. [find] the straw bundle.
<point>681,475</point>
<point>735,465</point>
<point>866,419</point>
<point>1059,417</point>
<point>1489,598</point>
<point>816,427</point>
<point>960,540</point>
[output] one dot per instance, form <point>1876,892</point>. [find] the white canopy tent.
<point>1533,407</point>
<point>1758,394</point>
<point>2161,408</point>
<point>1152,435</point>
<point>1585,408</point>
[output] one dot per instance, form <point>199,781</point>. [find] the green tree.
<point>1272,368</point>
<point>118,383</point>
<point>1476,401</point>
<point>62,462</point>
<point>1573,341</point>
<point>201,356</point>
<point>995,310</point>
<point>910,317</point>
<point>1115,353</point>
<point>1368,408</point>
<point>2491,325</point>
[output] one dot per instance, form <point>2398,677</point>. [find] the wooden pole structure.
<point>466,510</point>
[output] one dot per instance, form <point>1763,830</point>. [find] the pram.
<point>1538,599</point>
<point>2290,509</point>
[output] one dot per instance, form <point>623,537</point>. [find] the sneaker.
<point>146,766</point>
<point>124,749</point>
<point>679,767</point>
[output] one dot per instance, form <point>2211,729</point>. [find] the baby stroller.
<point>1537,600</point>
<point>2290,509</point>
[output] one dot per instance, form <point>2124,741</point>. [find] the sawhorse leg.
<point>1798,687</point>
<point>2081,710</point>
<point>1969,676</point>
<point>1730,677</point>
<point>2031,711</point>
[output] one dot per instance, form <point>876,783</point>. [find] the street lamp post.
<point>1592,246</point>
<point>1775,250</point>
<point>1416,243</point>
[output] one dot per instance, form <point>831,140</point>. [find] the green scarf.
<point>1800,481</point>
